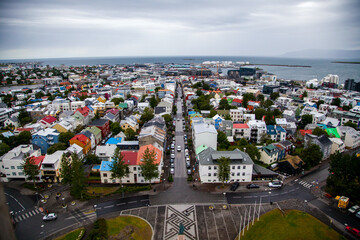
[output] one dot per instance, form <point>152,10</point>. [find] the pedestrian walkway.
<point>24,215</point>
<point>304,183</point>
<point>84,217</point>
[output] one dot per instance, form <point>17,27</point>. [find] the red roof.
<point>84,111</point>
<point>237,100</point>
<point>38,160</point>
<point>81,138</point>
<point>129,157</point>
<point>113,111</point>
<point>24,129</point>
<point>49,119</point>
<point>304,132</point>
<point>240,125</point>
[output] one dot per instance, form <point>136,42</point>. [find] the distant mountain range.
<point>318,53</point>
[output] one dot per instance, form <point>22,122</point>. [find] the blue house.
<point>45,138</point>
<point>276,133</point>
<point>218,121</point>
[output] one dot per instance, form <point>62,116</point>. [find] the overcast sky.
<point>84,28</point>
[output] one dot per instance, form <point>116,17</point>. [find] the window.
<point>233,167</point>
<point>209,168</point>
<point>232,174</point>
<point>105,181</point>
<point>134,168</point>
<point>14,173</point>
<point>214,174</point>
<point>243,174</point>
<point>244,167</point>
<point>21,174</point>
<point>113,180</point>
<point>12,167</point>
<point>238,174</point>
<point>209,174</point>
<point>238,167</point>
<point>19,167</point>
<point>105,175</point>
<point>128,181</point>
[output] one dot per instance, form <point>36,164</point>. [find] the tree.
<point>246,98</point>
<point>224,104</point>
<point>168,119</point>
<point>24,117</point>
<point>56,147</point>
<point>318,132</point>
<point>224,169</point>
<point>65,137</point>
<point>77,185</point>
<point>305,94</point>
<point>305,120</point>
<point>130,134</point>
<point>336,102</point>
<point>92,159</point>
<point>227,117</point>
<point>222,140</point>
<point>153,102</point>
<point>311,155</point>
<point>149,169</point>
<point>268,103</point>
<point>259,113</point>
<point>39,95</point>
<point>4,148</point>
<point>344,179</point>
<point>66,171</point>
<point>78,129</point>
<point>118,168</point>
<point>319,103</point>
<point>115,128</point>
<point>199,92</point>
<point>260,98</point>
<point>30,169</point>
<point>117,101</point>
<point>212,113</point>
<point>253,152</point>
<point>350,124</point>
<point>146,116</point>
<point>274,96</point>
<point>24,138</point>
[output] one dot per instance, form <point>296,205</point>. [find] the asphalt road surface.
<point>121,204</point>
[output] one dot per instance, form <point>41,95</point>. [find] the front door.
<point>135,178</point>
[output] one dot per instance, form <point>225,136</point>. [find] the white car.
<point>172,146</point>
<point>172,155</point>
<point>275,184</point>
<point>172,170</point>
<point>50,217</point>
<point>179,148</point>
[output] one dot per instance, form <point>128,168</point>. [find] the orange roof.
<point>151,148</point>
<point>304,132</point>
<point>240,125</point>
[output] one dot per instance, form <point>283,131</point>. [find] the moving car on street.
<point>252,185</point>
<point>50,217</point>
<point>275,184</point>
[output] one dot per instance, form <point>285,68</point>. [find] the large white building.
<point>204,134</point>
<point>257,130</point>
<point>11,162</point>
<point>241,165</point>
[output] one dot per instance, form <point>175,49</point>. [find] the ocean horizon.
<point>319,67</point>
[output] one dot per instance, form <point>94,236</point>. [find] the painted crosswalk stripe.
<point>30,214</point>
<point>37,211</point>
<point>26,215</point>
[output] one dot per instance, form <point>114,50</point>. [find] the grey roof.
<point>325,140</point>
<point>209,157</point>
<point>286,143</point>
<point>227,123</point>
<point>262,171</point>
<point>87,133</point>
<point>98,122</point>
<point>200,128</point>
<point>14,119</point>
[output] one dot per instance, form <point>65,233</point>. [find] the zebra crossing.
<point>305,184</point>
<point>26,215</point>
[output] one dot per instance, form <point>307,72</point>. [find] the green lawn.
<point>141,229</point>
<point>72,235</point>
<point>101,190</point>
<point>293,225</point>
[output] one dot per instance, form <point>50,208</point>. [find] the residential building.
<point>105,153</point>
<point>150,135</point>
<point>269,154</point>
<point>96,132</point>
<point>64,126</point>
<point>204,134</point>
<point>322,141</point>
<point>11,162</point>
<point>276,133</point>
<point>241,165</point>
<point>138,178</point>
<point>337,145</point>
<point>129,123</point>
<point>257,130</point>
<point>241,130</point>
<point>103,125</point>
<point>50,167</point>
<point>227,127</point>
<point>291,165</point>
<point>82,141</point>
<point>45,138</point>
<point>237,115</point>
<point>12,121</point>
<point>47,121</point>
<point>112,115</point>
<point>168,106</point>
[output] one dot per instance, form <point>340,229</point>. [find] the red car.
<point>353,231</point>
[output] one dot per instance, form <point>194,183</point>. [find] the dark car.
<point>252,185</point>
<point>234,186</point>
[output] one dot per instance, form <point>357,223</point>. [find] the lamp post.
<point>270,197</point>
<point>164,183</point>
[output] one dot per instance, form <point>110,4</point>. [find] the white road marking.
<point>98,208</point>
<point>143,200</point>
<point>132,202</point>
<point>30,214</point>
<point>237,197</point>
<point>109,206</point>
<point>15,200</point>
<point>120,204</point>
<point>26,215</point>
<point>248,196</point>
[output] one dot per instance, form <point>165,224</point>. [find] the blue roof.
<point>270,129</point>
<point>7,134</point>
<point>105,166</point>
<point>280,129</point>
<point>114,140</point>
<point>90,107</point>
<point>323,126</point>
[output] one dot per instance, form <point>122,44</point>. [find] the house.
<point>150,135</point>
<point>350,136</point>
<point>47,121</point>
<point>241,165</point>
<point>103,125</point>
<point>204,134</point>
<point>11,164</point>
<point>217,121</point>
<point>281,151</point>
<point>260,173</point>
<point>64,126</point>
<point>12,121</point>
<point>75,149</point>
<point>19,130</point>
<point>276,133</point>
<point>322,141</point>
<point>331,122</point>
<point>287,146</point>
<point>257,130</point>
<point>50,167</point>
<point>96,132</point>
<point>269,154</point>
<point>113,115</point>
<point>237,115</point>
<point>105,153</point>
<point>138,178</point>
<point>90,136</point>
<point>143,105</point>
<point>241,130</point>
<point>167,105</point>
<point>291,165</point>
<point>130,159</point>
<point>227,127</point>
<point>83,115</point>
<point>157,121</point>
<point>337,145</point>
<point>129,123</point>
<point>45,138</point>
<point>83,141</point>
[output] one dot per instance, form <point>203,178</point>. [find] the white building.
<point>51,165</point>
<point>204,134</point>
<point>105,153</point>
<point>241,165</point>
<point>11,162</point>
<point>77,104</point>
<point>337,145</point>
<point>237,115</point>
<point>257,130</point>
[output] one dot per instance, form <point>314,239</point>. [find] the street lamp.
<point>164,183</point>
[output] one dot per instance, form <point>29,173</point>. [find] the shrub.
<point>190,178</point>
<point>170,178</point>
<point>99,230</point>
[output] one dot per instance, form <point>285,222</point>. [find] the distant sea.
<point>319,67</point>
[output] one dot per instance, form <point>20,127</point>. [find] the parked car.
<point>354,209</point>
<point>172,165</point>
<point>353,231</point>
<point>357,214</point>
<point>252,185</point>
<point>173,151</point>
<point>171,160</point>
<point>172,155</point>
<point>172,146</point>
<point>275,184</point>
<point>234,186</point>
<point>189,171</point>
<point>172,170</point>
<point>50,217</point>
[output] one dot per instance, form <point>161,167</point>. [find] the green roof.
<point>230,100</point>
<point>333,132</point>
<point>94,130</point>
<point>123,105</point>
<point>199,149</point>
